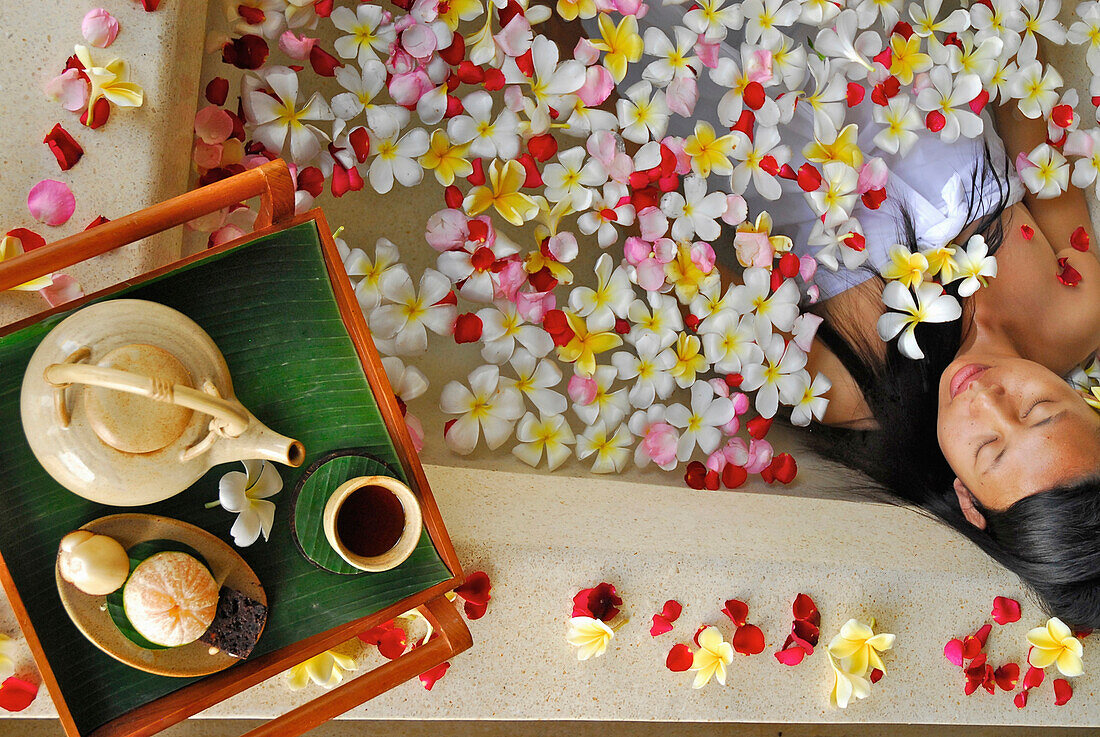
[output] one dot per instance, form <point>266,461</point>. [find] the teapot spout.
<point>260,442</point>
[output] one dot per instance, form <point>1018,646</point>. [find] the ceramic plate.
<point>89,613</point>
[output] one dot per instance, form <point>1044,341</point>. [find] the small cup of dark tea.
<point>373,522</point>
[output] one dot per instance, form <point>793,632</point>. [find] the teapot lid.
<point>132,423</point>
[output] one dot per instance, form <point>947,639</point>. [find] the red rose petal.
<point>805,609</point>
<point>972,647</point>
<point>745,123</point>
<point>468,328</point>
<point>672,610</point>
<point>247,52</point>
<point>429,677</point>
<point>758,427</point>
<point>791,656</point>
<point>1063,692</point>
<point>456,52</point>
<point>695,637</point>
<point>754,95</point>
<point>979,102</point>
<point>983,633</point>
<point>660,626</point>
<point>1027,232</point>
<point>809,178</point>
<point>1020,700</point>
<point>28,239</point>
<point>453,197</point>
<point>476,588</point>
<point>392,643</point>
<point>872,199</point>
<point>1007,676</point>
<point>96,115</point>
<point>477,176</point>
<point>806,630</point>
<point>711,481</point>
<point>534,176</point>
<point>474,610</point>
<point>734,476</point>
<point>737,611</point>
<point>876,675</point>
<point>935,121</point>
<point>1069,276</point>
<point>748,640</point>
<point>679,658</point>
<point>543,147</point>
<point>695,475</point>
<point>1081,634</point>
<point>599,602</point>
<point>1033,678</point>
<point>17,694</point>
<point>786,172</point>
<point>100,220</point>
<point>311,180</point>
<point>494,80</point>
<point>856,93</point>
<point>360,143</point>
<point>1062,116</point>
<point>323,63</point>
<point>67,151</point>
<point>953,651</point>
<point>217,90</point>
<point>783,468</point>
<point>1005,610</point>
<point>1079,239</point>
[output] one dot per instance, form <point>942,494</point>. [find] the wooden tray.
<point>322,348</point>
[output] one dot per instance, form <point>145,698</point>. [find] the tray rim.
<point>174,707</point>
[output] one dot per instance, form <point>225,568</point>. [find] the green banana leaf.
<point>269,306</point>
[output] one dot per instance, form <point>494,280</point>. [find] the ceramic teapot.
<point>128,402</point>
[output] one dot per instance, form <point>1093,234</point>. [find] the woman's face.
<point>1010,427</point>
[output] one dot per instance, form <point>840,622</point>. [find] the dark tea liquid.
<point>370,521</point>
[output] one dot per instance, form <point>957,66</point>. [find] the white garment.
<point>932,181</point>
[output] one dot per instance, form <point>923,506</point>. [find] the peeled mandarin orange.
<point>171,599</point>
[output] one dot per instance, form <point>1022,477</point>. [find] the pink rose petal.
<point>51,202</point>
<point>213,125</point>
<point>296,47</point>
<point>64,289</point>
<point>99,28</point>
<point>70,89</point>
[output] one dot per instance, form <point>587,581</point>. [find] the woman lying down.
<point>972,416</point>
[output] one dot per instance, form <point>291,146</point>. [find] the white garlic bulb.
<point>95,564</point>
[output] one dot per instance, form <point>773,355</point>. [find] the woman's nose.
<point>993,401</point>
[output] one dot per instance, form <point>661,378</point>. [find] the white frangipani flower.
<point>1040,18</point>
<point>925,21</point>
<point>502,327</point>
<point>1048,175</point>
<point>325,670</point>
<point>412,311</point>
<point>1000,19</point>
<point>694,212</point>
<point>1036,88</point>
<point>674,61</point>
<point>657,315</point>
<point>761,158</point>
<point>713,19</point>
<point>362,87</point>
<point>487,138</point>
<point>755,297</point>
<point>930,304</point>
<point>643,113</point>
<point>370,32</point>
<point>812,404</point>
<point>246,494</point>
<point>611,449</point>
<point>974,265</point>
<point>837,196</point>
<point>605,213</point>
<point>485,407</point>
<point>950,97</point>
<point>407,382</point>
<point>701,424</point>
<point>590,636</point>
<point>729,341</point>
<point>780,377</point>
<point>397,159</point>
<point>764,18</point>
<point>900,122</point>
<point>279,121</point>
<point>648,367</point>
<point>549,435</point>
<point>571,178</point>
<point>1087,31</point>
<point>610,407</point>
<point>366,276</point>
<point>1086,145</point>
<point>535,379</point>
<point>610,299</point>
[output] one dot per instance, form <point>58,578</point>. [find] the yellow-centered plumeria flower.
<point>446,160</point>
<point>710,153</point>
<point>501,191</point>
<point>687,278</point>
<point>325,669</point>
<point>8,650</point>
<point>572,9</point>
<point>846,685</point>
<point>585,345</point>
<point>906,59</point>
<point>857,647</point>
<point>941,261</point>
<point>690,360</point>
<point>11,247</point>
<point>110,81</point>
<point>905,266</point>
<point>453,11</point>
<point>1055,643</point>
<point>590,636</point>
<point>711,659</point>
<point>747,236</point>
<point>843,148</point>
<point>622,43</point>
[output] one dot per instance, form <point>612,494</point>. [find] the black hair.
<point>1051,539</point>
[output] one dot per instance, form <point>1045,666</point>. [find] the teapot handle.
<point>231,415</point>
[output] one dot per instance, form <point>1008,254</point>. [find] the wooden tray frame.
<point>273,184</point>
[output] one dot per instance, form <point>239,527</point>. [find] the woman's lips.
<point>964,376</point>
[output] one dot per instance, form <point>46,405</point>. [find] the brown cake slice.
<point>237,624</point>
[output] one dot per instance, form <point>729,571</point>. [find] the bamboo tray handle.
<point>452,637</point>
<point>271,182</point>
<point>231,417</point>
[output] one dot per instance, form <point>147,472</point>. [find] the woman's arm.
<point>1057,218</point>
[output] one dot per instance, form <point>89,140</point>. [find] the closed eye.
<point>1035,404</point>
<point>982,445</point>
